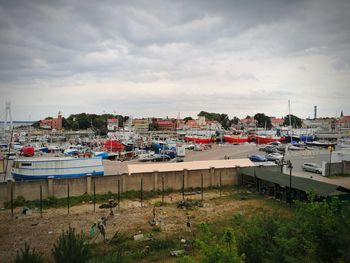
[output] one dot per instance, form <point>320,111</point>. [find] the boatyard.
<point>174,131</point>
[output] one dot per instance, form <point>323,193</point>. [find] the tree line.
<point>261,119</point>
<point>99,122</point>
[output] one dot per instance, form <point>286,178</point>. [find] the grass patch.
<point>53,202</point>
<point>156,248</point>
<point>244,194</point>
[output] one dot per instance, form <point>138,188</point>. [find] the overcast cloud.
<point>159,58</point>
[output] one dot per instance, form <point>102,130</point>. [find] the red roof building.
<point>192,124</point>
<point>166,125</point>
<point>54,123</point>
<point>277,122</point>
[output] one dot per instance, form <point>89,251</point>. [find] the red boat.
<point>27,151</point>
<point>199,139</point>
<point>113,146</point>
<point>235,139</point>
<point>259,139</point>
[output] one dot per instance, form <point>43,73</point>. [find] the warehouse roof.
<point>300,183</point>
<point>195,165</point>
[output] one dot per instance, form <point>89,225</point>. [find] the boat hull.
<point>199,140</point>
<point>235,139</point>
<point>265,140</point>
<point>61,168</point>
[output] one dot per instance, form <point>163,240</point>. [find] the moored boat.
<point>199,139</point>
<point>324,144</point>
<point>267,139</point>
<point>58,168</point>
<point>235,138</point>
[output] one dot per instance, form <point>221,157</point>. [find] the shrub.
<point>71,247</point>
<point>27,255</point>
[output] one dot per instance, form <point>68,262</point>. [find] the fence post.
<point>220,185</point>
<point>41,201</point>
<point>202,186</point>
<point>162,189</point>
<point>68,197</point>
<point>118,194</point>
<point>141,191</point>
<point>12,201</point>
<point>183,186</point>
<point>94,197</point>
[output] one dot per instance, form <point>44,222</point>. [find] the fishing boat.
<point>260,139</point>
<point>235,138</point>
<point>58,168</point>
<point>324,144</point>
<point>199,139</point>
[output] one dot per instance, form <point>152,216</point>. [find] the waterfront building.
<point>52,123</point>
<point>141,125</point>
<point>112,124</point>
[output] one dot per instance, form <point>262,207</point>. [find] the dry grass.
<point>41,233</point>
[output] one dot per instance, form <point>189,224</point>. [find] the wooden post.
<point>41,201</point>
<point>183,186</point>
<point>12,201</point>
<point>162,189</point>
<point>94,198</point>
<point>202,186</point>
<point>141,192</point>
<point>220,185</point>
<point>68,197</point>
<point>118,194</point>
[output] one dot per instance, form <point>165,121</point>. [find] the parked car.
<point>276,157</point>
<point>161,157</point>
<point>312,167</point>
<point>269,149</point>
<point>198,147</point>
<point>189,147</point>
<point>176,160</point>
<point>276,143</point>
<point>257,158</point>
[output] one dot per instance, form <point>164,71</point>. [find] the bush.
<point>71,247</point>
<point>27,255</point>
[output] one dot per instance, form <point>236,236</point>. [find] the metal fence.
<point>101,201</point>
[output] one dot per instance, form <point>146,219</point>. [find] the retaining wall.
<point>58,188</point>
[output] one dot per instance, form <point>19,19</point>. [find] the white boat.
<point>58,168</point>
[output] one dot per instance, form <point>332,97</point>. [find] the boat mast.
<point>290,123</point>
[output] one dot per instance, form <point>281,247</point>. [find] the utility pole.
<point>290,123</point>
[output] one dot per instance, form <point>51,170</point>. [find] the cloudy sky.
<point>159,58</point>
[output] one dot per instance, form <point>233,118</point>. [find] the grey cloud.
<point>62,43</point>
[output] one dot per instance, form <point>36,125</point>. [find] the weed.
<point>27,255</point>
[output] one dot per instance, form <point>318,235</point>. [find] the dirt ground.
<point>41,233</point>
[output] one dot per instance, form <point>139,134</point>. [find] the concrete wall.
<point>30,190</point>
<point>336,168</point>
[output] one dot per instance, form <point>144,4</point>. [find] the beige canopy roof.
<point>195,165</point>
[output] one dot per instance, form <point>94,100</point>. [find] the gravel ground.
<point>41,233</point>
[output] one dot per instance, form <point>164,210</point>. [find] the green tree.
<point>296,122</point>
<point>187,119</point>
<point>213,250</point>
<point>75,125</point>
<point>222,118</point>
<point>235,120</point>
<point>71,247</point>
<point>255,238</point>
<point>263,120</point>
<point>153,126</point>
